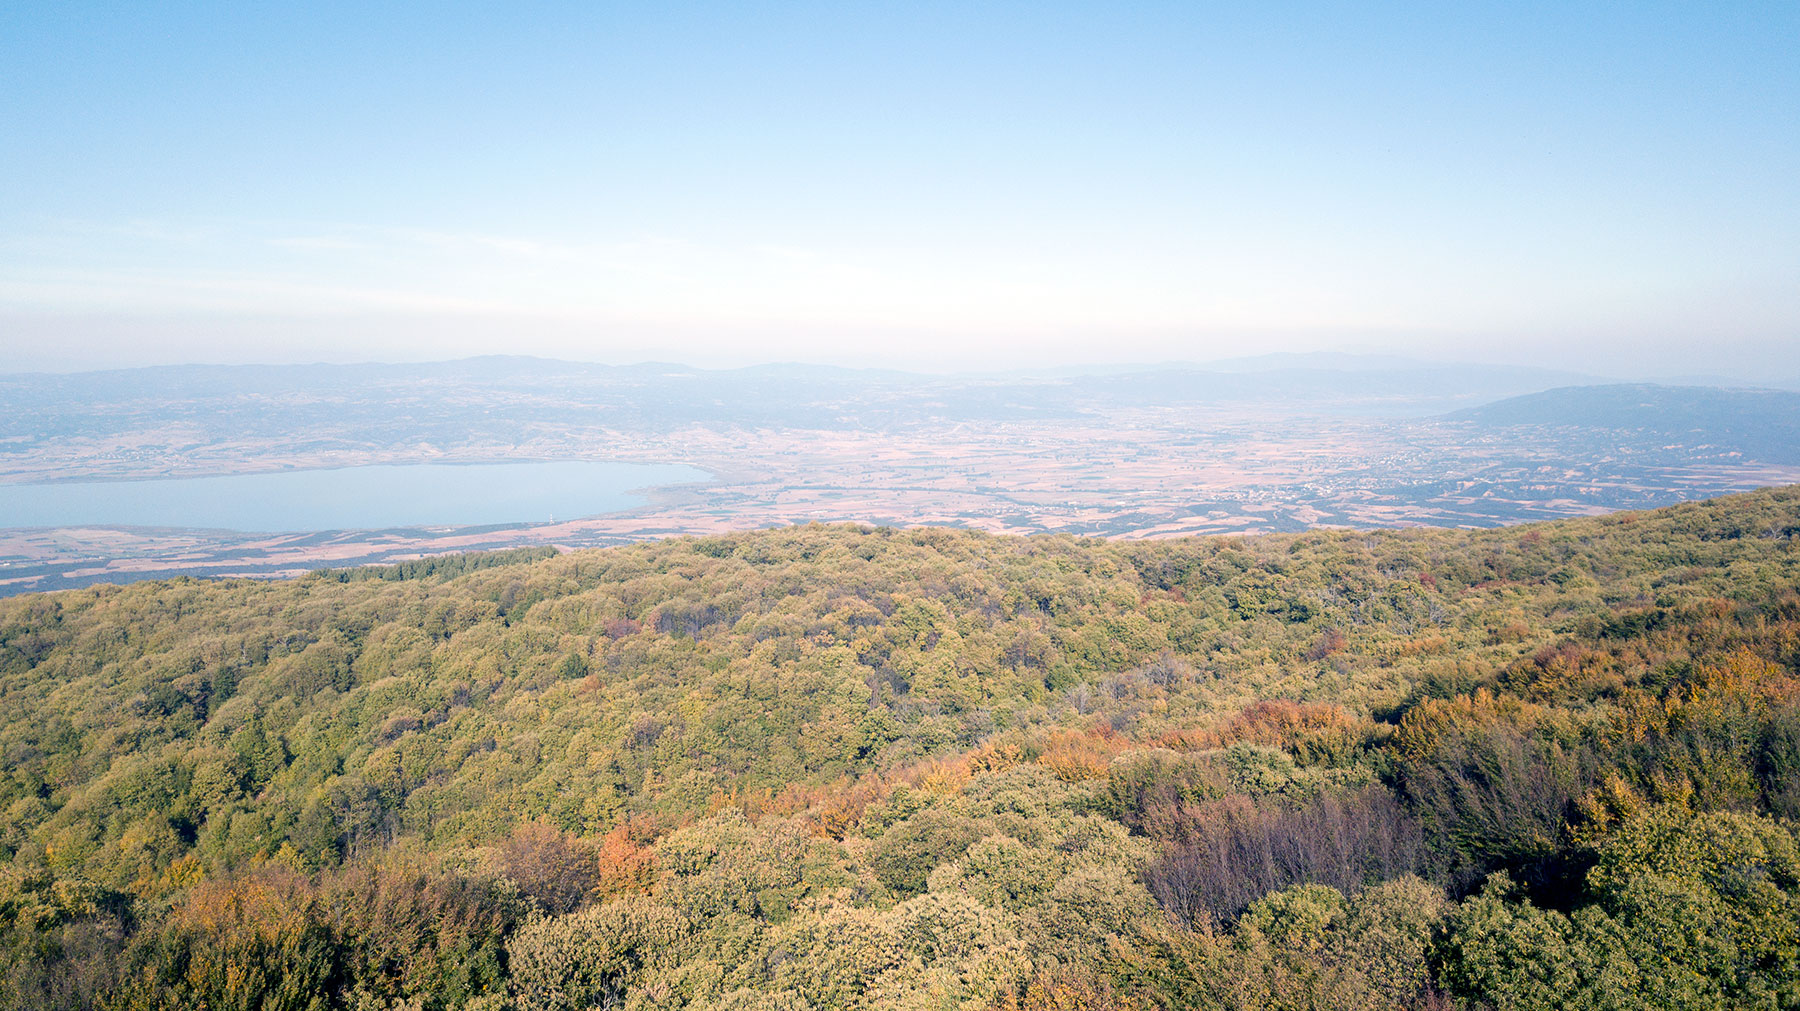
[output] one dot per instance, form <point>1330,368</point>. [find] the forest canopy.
<point>822,767</point>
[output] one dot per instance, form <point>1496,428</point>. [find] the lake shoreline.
<point>375,497</point>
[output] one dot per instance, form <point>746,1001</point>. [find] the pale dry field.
<point>1132,473</point>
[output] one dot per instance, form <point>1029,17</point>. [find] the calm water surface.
<point>352,498</point>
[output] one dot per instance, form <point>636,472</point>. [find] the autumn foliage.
<point>844,767</point>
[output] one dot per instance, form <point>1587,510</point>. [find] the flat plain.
<point>1129,455</point>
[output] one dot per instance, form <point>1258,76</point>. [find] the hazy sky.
<point>1607,186</point>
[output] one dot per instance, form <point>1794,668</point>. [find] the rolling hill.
<point>1757,424</point>
<point>837,766</point>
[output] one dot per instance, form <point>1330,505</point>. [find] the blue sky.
<point>1609,187</point>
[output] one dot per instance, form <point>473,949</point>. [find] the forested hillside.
<point>828,767</point>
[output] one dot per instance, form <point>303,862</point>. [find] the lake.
<point>350,498</point>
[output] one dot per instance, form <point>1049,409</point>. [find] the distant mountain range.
<point>798,395</point>
<point>502,399</point>
<point>1373,385</point>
